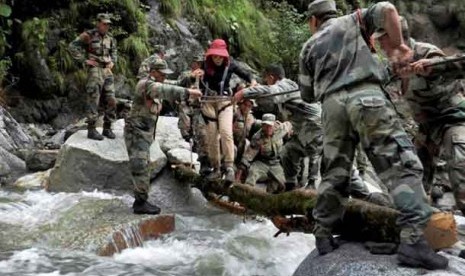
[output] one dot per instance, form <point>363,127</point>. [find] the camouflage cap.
<point>268,119</point>
<point>158,48</point>
<point>104,17</point>
<point>318,7</point>
<point>160,65</point>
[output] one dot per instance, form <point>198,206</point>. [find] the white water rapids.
<point>202,244</point>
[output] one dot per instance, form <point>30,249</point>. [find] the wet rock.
<point>85,164</point>
<point>12,135</point>
<point>441,16</point>
<point>343,261</point>
<point>41,160</point>
<point>35,180</point>
<point>182,156</point>
<point>11,167</point>
<point>168,134</point>
<point>113,227</point>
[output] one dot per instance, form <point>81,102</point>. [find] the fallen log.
<point>362,221</point>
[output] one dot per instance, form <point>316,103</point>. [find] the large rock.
<point>85,164</point>
<point>41,160</point>
<point>353,259</point>
<point>12,135</point>
<point>11,167</point>
<point>168,134</point>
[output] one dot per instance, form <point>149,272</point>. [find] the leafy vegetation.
<point>5,30</point>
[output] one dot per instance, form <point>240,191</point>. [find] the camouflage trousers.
<point>264,171</point>
<point>294,152</point>
<point>100,96</point>
<point>138,135</point>
<point>453,147</point>
<point>363,114</point>
<point>361,159</point>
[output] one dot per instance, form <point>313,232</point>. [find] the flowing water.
<point>204,243</point>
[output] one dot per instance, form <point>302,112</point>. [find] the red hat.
<point>218,47</point>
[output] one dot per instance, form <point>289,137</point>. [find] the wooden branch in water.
<point>362,221</point>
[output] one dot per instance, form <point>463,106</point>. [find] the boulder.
<point>168,134</point>
<point>182,156</point>
<point>12,135</point>
<point>85,164</point>
<point>343,261</point>
<point>41,160</point>
<point>11,167</point>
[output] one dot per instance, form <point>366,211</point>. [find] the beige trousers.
<point>219,125</point>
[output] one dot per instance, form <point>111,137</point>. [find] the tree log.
<point>362,221</point>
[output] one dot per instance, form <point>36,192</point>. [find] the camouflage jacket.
<point>242,126</point>
<point>337,56</point>
<point>148,96</point>
<point>144,68</point>
<point>436,100</point>
<point>304,117</point>
<point>91,45</point>
<point>266,149</point>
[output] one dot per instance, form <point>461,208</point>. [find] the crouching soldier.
<point>261,158</point>
<point>139,131</point>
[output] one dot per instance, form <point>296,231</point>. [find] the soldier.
<point>261,158</point>
<point>244,122</point>
<point>144,68</point>
<point>435,97</point>
<point>140,127</point>
<point>189,79</point>
<point>305,118</point>
<point>338,69</point>
<point>99,58</point>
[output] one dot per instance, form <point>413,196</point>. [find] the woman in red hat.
<point>218,113</point>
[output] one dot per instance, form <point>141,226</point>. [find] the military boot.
<point>144,207</point>
<point>420,254</point>
<point>229,176</point>
<point>93,134</point>
<point>107,132</point>
<point>215,174</point>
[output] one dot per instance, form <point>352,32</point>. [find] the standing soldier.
<point>140,128</point>
<point>438,105</point>
<point>261,158</point>
<point>99,58</point>
<point>338,69</point>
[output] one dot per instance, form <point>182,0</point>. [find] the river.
<point>204,242</point>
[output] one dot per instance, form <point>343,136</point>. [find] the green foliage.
<point>5,30</point>
<point>34,34</point>
<point>136,48</point>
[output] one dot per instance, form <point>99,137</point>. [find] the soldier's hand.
<point>253,83</point>
<point>194,93</point>
<point>238,96</point>
<point>197,73</point>
<point>110,65</point>
<point>421,67</point>
<point>91,62</point>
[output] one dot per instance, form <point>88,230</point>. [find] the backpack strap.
<point>363,30</point>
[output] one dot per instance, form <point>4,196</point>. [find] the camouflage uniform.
<point>438,107</point>
<point>140,127</point>
<point>100,89</point>
<point>242,125</point>
<point>262,156</point>
<point>346,79</point>
<point>305,118</point>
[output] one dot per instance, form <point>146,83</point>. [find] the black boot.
<point>93,134</point>
<point>420,254</point>
<point>325,245</point>
<point>107,132</point>
<point>143,207</point>
<point>290,186</point>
